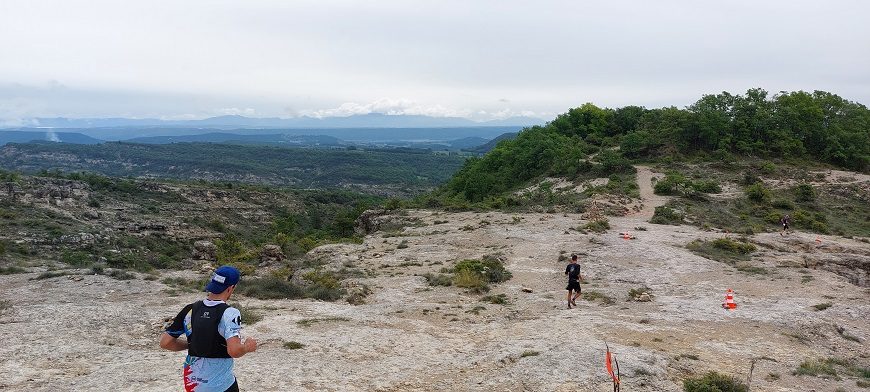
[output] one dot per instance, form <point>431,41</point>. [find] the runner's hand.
<point>250,345</point>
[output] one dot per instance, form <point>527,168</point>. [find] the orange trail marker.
<point>729,300</point>
<point>609,365</point>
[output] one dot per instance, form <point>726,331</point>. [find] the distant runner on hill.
<point>786,221</point>
<point>212,329</point>
<point>573,273</point>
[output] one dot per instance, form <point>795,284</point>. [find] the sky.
<point>478,59</point>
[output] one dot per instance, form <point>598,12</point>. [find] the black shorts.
<point>234,387</point>
<point>573,285</point>
<point>785,226</point>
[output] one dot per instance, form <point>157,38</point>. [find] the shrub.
<point>293,345</point>
<point>714,382</point>
<point>782,204</point>
<point>120,274</point>
<point>596,226</point>
<point>249,317</point>
<point>438,280</point>
<point>822,306</point>
<point>471,280</point>
<point>592,295</point>
<point>676,184</point>
<point>816,368</point>
<point>489,267</point>
<point>758,193</point>
<point>804,193</point>
<point>324,286</point>
<point>12,270</point>
<point>270,288</point>
<point>725,250</point>
<point>498,299</point>
<point>666,216</point>
<point>529,353</point>
<point>732,246</point>
<point>76,258</point>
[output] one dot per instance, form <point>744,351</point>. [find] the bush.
<point>249,317</point>
<point>498,299</point>
<point>76,258</point>
<point>758,193</point>
<point>666,216</point>
<point>596,226</point>
<point>822,367</point>
<point>782,204</point>
<point>732,246</point>
<point>324,286</point>
<point>677,184</point>
<point>471,280</point>
<point>804,193</point>
<point>270,288</point>
<point>714,382</point>
<point>12,270</point>
<point>438,280</point>
<point>490,268</point>
<point>293,345</point>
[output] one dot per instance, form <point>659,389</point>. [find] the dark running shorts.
<point>573,285</point>
<point>785,226</point>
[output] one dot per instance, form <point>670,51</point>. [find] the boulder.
<point>204,250</point>
<point>271,254</point>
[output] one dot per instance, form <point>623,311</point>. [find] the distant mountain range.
<point>418,138</point>
<point>45,136</point>
<point>372,120</point>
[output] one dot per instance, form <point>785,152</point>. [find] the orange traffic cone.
<point>625,236</point>
<point>729,300</point>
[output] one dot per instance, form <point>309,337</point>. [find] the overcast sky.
<point>476,59</point>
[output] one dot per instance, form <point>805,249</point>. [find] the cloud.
<point>248,112</point>
<point>388,106</point>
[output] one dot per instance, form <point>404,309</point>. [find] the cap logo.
<point>218,278</point>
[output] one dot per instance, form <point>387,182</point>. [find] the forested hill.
<point>798,126</point>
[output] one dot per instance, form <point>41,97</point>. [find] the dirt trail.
<point>649,199</point>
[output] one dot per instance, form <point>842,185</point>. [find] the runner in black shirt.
<point>573,273</point>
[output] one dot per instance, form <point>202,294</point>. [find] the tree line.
<point>799,125</point>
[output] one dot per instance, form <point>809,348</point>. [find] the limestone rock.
<point>204,250</point>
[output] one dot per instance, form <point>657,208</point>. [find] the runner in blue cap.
<point>213,336</point>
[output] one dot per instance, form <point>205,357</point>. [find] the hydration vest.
<point>204,340</point>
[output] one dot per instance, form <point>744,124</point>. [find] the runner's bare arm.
<point>171,343</point>
<point>237,349</point>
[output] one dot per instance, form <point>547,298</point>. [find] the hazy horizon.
<point>484,60</point>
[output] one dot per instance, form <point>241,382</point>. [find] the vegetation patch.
<point>312,321</point>
<point>714,382</point>
<point>529,353</point>
<point>596,226</point>
<point>677,184</point>
<point>249,316</point>
<point>592,296</point>
<point>497,299</point>
<point>439,279</point>
<point>12,270</point>
<point>292,345</point>
<point>722,249</point>
<point>822,306</point>
<point>665,215</point>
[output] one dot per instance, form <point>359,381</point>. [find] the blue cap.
<point>223,278</point>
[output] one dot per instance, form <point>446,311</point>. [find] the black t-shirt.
<point>573,272</point>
